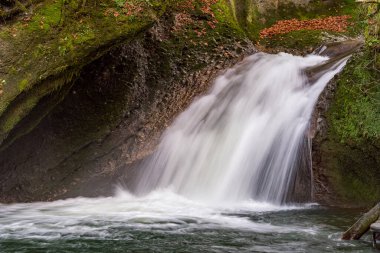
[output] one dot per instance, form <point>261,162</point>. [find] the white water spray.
<point>242,140</point>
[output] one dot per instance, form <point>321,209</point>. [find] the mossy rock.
<point>42,52</point>
<point>350,153</point>
<point>116,107</point>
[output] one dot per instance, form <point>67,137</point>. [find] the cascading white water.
<point>241,141</point>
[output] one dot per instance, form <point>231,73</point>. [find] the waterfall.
<point>243,139</point>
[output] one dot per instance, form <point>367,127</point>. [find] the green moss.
<point>352,148</point>
<point>225,16</point>
<point>16,113</point>
<point>355,113</point>
<point>23,84</point>
<point>352,172</point>
<point>246,14</point>
<point>300,40</point>
<point>354,120</point>
<point>65,36</point>
<point>58,36</point>
<point>356,190</point>
<point>120,3</point>
<point>47,17</point>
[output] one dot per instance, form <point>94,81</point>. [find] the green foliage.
<point>355,114</point>
<point>120,3</point>
<point>356,111</point>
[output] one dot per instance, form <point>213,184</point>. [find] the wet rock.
<point>335,51</point>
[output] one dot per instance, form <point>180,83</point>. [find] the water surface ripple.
<point>163,221</point>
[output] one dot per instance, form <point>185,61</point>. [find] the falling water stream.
<point>243,139</point>
<point>218,181</point>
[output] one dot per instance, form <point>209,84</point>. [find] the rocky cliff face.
<point>346,146</point>
<point>110,115</point>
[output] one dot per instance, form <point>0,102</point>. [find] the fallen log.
<point>363,224</point>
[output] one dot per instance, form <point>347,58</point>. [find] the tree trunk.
<point>363,224</point>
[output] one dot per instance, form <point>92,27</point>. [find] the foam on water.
<point>161,209</point>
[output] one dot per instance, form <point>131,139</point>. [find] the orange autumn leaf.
<point>335,24</point>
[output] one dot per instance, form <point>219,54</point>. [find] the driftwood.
<point>363,224</point>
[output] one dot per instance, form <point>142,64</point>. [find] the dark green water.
<point>169,223</point>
